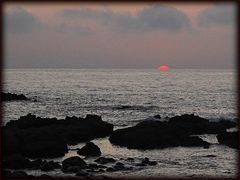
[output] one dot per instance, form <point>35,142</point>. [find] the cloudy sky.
<point>114,35</point>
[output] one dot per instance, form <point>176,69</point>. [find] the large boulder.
<point>74,161</point>
<point>12,97</point>
<point>230,139</point>
<point>90,149</point>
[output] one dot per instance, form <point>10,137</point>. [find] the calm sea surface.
<point>143,93</point>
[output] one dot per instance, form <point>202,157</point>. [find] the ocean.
<point>125,97</point>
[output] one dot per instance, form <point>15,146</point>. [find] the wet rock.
<point>73,161</point>
<point>230,139</point>
<point>101,170</point>
<point>198,125</point>
<point>72,169</point>
<point>157,116</point>
<point>141,164</point>
<point>208,156</point>
<point>110,169</point>
<point>145,161</point>
<point>82,173</point>
<point>37,137</point>
<point>93,166</point>
<point>90,149</point>
<point>119,164</point>
<point>102,166</point>
<point>45,176</point>
<point>12,97</point>
<point>130,159</point>
<point>36,164</point>
<point>16,174</point>
<point>177,131</point>
<point>103,160</point>
<point>16,161</point>
<point>155,135</point>
<point>40,143</point>
<point>49,166</point>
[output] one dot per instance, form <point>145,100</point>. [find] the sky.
<point>119,35</point>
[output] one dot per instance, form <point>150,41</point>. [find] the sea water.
<point>125,97</point>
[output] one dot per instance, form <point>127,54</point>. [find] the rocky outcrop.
<point>38,137</point>
<point>177,131</point>
<point>71,163</point>
<point>12,97</point>
<point>90,149</point>
<point>230,139</point>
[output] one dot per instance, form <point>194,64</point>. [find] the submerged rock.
<point>12,97</point>
<point>230,139</point>
<point>38,137</point>
<point>90,149</point>
<point>103,160</point>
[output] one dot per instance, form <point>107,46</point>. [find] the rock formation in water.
<point>230,139</point>
<point>177,131</point>
<point>12,97</point>
<point>90,149</point>
<point>35,137</point>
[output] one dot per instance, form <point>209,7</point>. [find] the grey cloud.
<point>19,20</point>
<point>223,14</point>
<point>150,18</point>
<point>68,28</point>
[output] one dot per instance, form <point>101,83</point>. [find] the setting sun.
<point>163,67</point>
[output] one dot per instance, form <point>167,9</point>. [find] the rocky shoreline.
<point>30,139</point>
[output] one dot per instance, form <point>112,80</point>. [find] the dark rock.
<point>102,166</point>
<point>73,161</point>
<point>186,118</point>
<point>141,164</point>
<point>130,159</point>
<point>36,164</point>
<point>101,170</point>
<point>93,166</point>
<point>119,164</point>
<point>198,125</point>
<point>49,166</point>
<point>148,162</point>
<point>82,173</point>
<point>45,176</point>
<point>15,175</point>
<point>110,169</point>
<point>152,163</point>
<point>44,144</point>
<point>230,139</point>
<point>90,149</point>
<point>175,132</point>
<point>12,97</point>
<point>210,156</point>
<point>16,161</point>
<point>157,116</point>
<point>72,169</point>
<point>103,160</point>
<point>154,135</point>
<point>37,137</point>
<point>145,161</point>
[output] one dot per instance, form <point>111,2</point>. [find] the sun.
<point>163,67</point>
